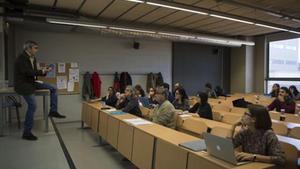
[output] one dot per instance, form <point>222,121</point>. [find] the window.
<point>284,63</point>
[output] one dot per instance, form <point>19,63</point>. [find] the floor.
<point>46,153</point>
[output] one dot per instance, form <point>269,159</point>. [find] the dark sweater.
<point>288,105</point>
<point>110,100</point>
<point>131,106</point>
<point>204,111</point>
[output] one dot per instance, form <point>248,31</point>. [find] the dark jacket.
<point>25,75</point>
<point>132,106</point>
<point>110,100</point>
<point>116,82</point>
<point>204,111</point>
<point>125,80</point>
<point>182,106</point>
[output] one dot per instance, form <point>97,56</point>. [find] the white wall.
<point>102,54</point>
<point>238,70</point>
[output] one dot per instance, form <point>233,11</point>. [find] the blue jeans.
<point>31,102</point>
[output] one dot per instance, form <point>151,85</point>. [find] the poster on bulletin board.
<point>64,76</point>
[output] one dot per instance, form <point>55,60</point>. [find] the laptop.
<point>221,148</point>
<point>145,101</point>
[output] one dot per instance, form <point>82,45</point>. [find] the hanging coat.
<point>159,79</point>
<point>150,81</point>
<point>87,89</point>
<point>125,80</point>
<point>116,82</point>
<point>96,83</point>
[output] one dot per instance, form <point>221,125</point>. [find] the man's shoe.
<point>29,136</point>
<point>56,115</point>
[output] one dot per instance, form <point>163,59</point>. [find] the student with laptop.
<point>259,142</point>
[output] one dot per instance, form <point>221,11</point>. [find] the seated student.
<point>111,98</point>
<point>180,101</point>
<point>176,86</point>
<point>139,91</point>
<point>294,92</point>
<point>151,96</point>
<point>209,91</point>
<point>202,107</point>
<point>219,91</point>
<point>164,113</point>
<point>275,90</point>
<point>170,97</point>
<point>283,101</point>
<point>129,103</point>
<point>258,140</point>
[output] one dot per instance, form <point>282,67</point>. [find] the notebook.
<point>198,145</point>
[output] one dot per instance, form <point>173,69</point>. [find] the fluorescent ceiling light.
<point>138,1</point>
<point>178,35</point>
<point>177,8</point>
<point>274,14</point>
<point>295,32</point>
<point>74,23</point>
<point>271,27</point>
<point>232,19</point>
<point>296,20</point>
<point>133,30</point>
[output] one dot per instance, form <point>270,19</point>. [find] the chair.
<point>11,101</point>
<point>292,118</point>
<point>295,133</point>
<point>217,116</point>
<point>221,132</point>
<point>221,107</point>
<point>230,118</point>
<point>291,154</point>
<point>238,110</point>
<point>280,128</point>
<point>275,115</point>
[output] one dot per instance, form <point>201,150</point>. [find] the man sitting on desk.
<point>25,83</point>
<point>164,113</point>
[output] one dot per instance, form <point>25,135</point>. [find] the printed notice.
<point>74,65</point>
<point>61,67</point>
<point>70,86</point>
<point>74,75</point>
<point>61,82</point>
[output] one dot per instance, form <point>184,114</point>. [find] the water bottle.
<point>282,116</point>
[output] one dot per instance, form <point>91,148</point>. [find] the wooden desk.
<point>143,149</point>
<point>202,160</point>
<point>210,123</point>
<point>293,141</point>
<point>11,92</point>
<point>288,124</point>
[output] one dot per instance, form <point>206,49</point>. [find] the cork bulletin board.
<point>62,76</point>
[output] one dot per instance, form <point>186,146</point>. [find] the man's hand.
<point>281,98</point>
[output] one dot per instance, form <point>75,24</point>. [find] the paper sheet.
<point>61,82</point>
<point>185,115</point>
<point>111,110</point>
<point>74,65</point>
<point>70,86</point>
<point>137,121</point>
<point>74,75</point>
<point>61,67</point>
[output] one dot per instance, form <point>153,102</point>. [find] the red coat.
<point>96,84</point>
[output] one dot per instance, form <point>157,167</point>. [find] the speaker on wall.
<point>136,45</point>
